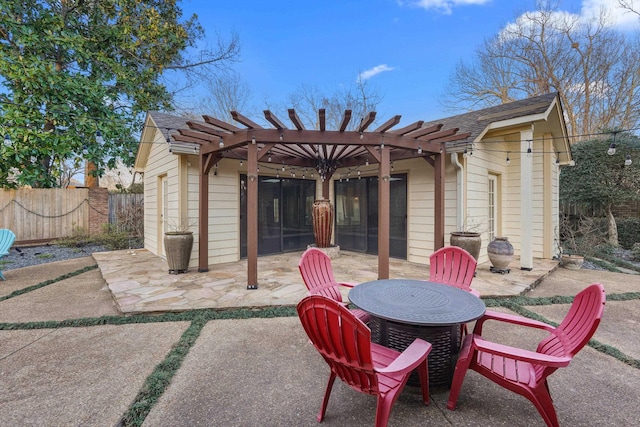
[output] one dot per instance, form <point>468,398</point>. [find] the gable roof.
<point>478,122</point>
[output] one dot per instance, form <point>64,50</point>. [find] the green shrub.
<point>112,238</point>
<point>628,232</point>
<point>78,239</point>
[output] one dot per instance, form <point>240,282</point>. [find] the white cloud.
<point>445,6</point>
<point>619,16</point>
<point>365,75</point>
<point>590,10</point>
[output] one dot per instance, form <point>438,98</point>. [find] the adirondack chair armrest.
<point>347,284</point>
<point>409,359</point>
<point>520,354</point>
<point>474,292</point>
<point>510,318</point>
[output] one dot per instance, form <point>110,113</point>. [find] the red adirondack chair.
<point>317,274</point>
<point>525,372</point>
<point>453,266</point>
<point>344,342</point>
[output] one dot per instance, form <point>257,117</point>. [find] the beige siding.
<point>160,162</point>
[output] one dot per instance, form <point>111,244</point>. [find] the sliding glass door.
<point>356,216</point>
<point>284,215</point>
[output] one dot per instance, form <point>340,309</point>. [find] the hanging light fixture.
<point>7,140</point>
<point>612,147</point>
<point>627,160</point>
<point>508,160</point>
<point>99,138</point>
<point>419,149</point>
<point>221,143</point>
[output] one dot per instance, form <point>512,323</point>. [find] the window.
<point>493,206</point>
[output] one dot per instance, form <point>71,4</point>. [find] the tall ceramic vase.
<point>322,222</point>
<point>500,253</point>
<point>177,246</point>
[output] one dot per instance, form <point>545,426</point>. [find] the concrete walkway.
<point>140,281</point>
<point>263,372</point>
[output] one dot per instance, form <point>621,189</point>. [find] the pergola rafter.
<point>324,151</point>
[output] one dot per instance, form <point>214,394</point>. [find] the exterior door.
<point>163,211</point>
<point>356,214</point>
<point>284,215</point>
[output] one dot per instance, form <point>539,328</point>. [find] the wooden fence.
<point>39,214</point>
<point>126,212</point>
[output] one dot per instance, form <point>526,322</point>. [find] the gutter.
<point>459,191</point>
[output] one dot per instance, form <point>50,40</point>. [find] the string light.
<point>627,160</point>
<point>508,159</point>
<point>221,143</point>
<point>7,140</point>
<point>612,148</point>
<point>99,138</point>
<point>419,149</point>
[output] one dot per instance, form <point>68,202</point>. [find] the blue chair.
<point>6,240</point>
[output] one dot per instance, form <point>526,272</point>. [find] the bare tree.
<point>590,64</point>
<point>630,6</point>
<point>226,92</point>
<point>360,98</point>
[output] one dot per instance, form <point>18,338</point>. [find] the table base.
<point>445,341</point>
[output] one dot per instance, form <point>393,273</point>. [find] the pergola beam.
<point>205,129</point>
<point>322,119</point>
<point>405,130</point>
<point>366,121</point>
<point>271,118</point>
<point>425,131</point>
<point>295,119</point>
<point>250,124</point>
<point>346,118</point>
<point>437,135</point>
<point>221,124</point>
<point>388,124</point>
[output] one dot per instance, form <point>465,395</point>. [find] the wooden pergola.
<point>322,150</point>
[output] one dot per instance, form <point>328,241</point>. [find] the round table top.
<point>417,302</point>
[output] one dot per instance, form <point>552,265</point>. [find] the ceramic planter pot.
<point>177,246</point>
<point>572,262</point>
<point>468,241</point>
<point>500,253</point>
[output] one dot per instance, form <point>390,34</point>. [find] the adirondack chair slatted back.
<point>342,339</point>
<point>7,237</point>
<point>453,266</point>
<point>576,328</point>
<point>6,240</point>
<point>317,274</point>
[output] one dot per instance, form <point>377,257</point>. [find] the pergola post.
<point>383,213</point>
<point>252,216</point>
<point>203,217</point>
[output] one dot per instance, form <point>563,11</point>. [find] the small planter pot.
<point>177,246</point>
<point>500,253</point>
<point>468,241</point>
<point>572,262</point>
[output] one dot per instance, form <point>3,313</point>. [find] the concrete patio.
<point>262,371</point>
<point>140,282</point>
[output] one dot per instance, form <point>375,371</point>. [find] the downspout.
<point>459,191</point>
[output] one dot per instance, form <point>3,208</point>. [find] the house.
<point>248,191</point>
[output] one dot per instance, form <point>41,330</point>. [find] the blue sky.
<point>407,48</point>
